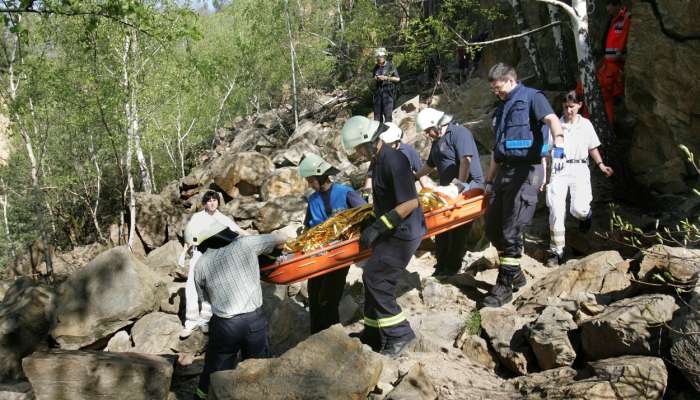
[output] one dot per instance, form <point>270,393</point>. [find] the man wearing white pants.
<point>196,318</point>
<point>580,141</point>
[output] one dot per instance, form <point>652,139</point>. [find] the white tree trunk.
<point>129,142</point>
<point>292,54</point>
<point>98,189</point>
<point>229,90</point>
<point>586,65</point>
<point>5,203</point>
<point>530,45</point>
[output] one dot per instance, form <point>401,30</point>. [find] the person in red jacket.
<point>610,74</point>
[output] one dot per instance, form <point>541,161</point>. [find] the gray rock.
<point>89,375</point>
<point>280,212</point>
<point>164,259</point>
<point>476,349</point>
<point>439,295</point>
<point>157,219</point>
<point>175,301</point>
<point>328,365</point>
<point>288,326</point>
<point>119,343</point>
<point>16,391</point>
<point>242,172</point>
<point>633,377</point>
<point>104,297</point>
<point>156,333</point>
<point>549,338</point>
<point>27,314</point>
<point>603,274</point>
<point>627,327</point>
<point>685,341</point>
<point>507,333</point>
<point>676,265</point>
<point>414,386</point>
<point>194,344</point>
<point>283,182</point>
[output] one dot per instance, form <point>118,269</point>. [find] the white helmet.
<point>201,228</point>
<point>313,165</point>
<point>356,131</point>
<point>392,134</point>
<point>431,118</point>
<point>380,52</point>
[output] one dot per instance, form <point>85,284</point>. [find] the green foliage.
<point>473,323</point>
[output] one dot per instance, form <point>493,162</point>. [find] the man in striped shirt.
<point>228,277</point>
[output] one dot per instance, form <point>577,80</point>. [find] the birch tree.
<point>555,16</point>
<point>578,14</point>
<point>292,55</point>
<point>529,43</point>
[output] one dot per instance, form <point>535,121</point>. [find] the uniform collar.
<point>518,86</point>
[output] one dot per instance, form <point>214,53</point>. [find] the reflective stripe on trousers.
<point>575,180</point>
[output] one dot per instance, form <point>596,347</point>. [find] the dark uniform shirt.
<point>387,69</point>
<point>412,156</point>
<point>354,199</point>
<point>393,183</point>
<point>447,152</point>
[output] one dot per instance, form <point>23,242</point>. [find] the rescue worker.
<point>454,154</point>
<point>228,277</point>
<point>516,174</point>
<point>580,141</point>
<point>325,291</point>
<point>386,77</point>
<point>392,136</point>
<point>610,73</point>
<point>393,237</point>
<point>210,215</point>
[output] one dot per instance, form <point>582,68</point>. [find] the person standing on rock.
<point>392,136</point>
<point>228,277</point>
<point>325,291</point>
<point>194,317</point>
<point>386,77</point>
<point>393,237</point>
<point>516,173</point>
<point>454,154</point>
<point>580,141</point>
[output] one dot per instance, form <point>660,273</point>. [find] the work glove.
<point>558,159</point>
<point>461,186</point>
<point>382,225</point>
<point>488,189</point>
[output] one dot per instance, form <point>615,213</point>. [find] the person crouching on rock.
<point>325,291</point>
<point>580,141</point>
<point>194,317</point>
<point>228,277</point>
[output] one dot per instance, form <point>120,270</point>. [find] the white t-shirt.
<point>579,138</point>
<point>217,217</point>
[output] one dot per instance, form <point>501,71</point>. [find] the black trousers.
<point>451,247</point>
<point>246,333</point>
<point>325,292</point>
<point>512,206</point>
<point>382,271</point>
<point>383,105</point>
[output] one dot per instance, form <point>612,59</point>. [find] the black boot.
<point>502,291</point>
<point>519,280</point>
<point>585,225</point>
<point>394,348</point>
<point>370,337</point>
<point>554,260</point>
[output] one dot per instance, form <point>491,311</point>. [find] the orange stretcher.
<point>301,266</point>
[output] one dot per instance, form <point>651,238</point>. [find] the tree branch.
<point>503,39</point>
<point>569,10</point>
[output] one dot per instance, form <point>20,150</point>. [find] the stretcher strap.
<point>385,322</point>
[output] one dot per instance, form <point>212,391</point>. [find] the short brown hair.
<point>502,71</point>
<point>573,97</point>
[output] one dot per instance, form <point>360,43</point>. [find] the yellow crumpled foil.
<point>347,223</point>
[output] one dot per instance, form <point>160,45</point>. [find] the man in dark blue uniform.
<point>516,173</point>
<point>456,158</point>
<point>386,76</point>
<point>325,291</point>
<point>393,237</point>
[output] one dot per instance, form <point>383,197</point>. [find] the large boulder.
<point>676,265</point>
<point>103,297</point>
<point>507,333</point>
<point>685,340</point>
<point>475,349</point>
<point>26,317</point>
<point>603,273</point>
<point>89,375</point>
<point>289,325</point>
<point>164,259</point>
<point>657,55</point>
<point>280,212</point>
<point>549,338</point>
<point>241,172</point>
<point>292,155</point>
<point>415,385</point>
<point>328,365</point>
<point>157,219</point>
<point>627,327</point>
<point>283,182</point>
<point>156,333</point>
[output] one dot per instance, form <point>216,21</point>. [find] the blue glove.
<point>558,159</point>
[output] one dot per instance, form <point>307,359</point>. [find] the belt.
<point>582,161</point>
